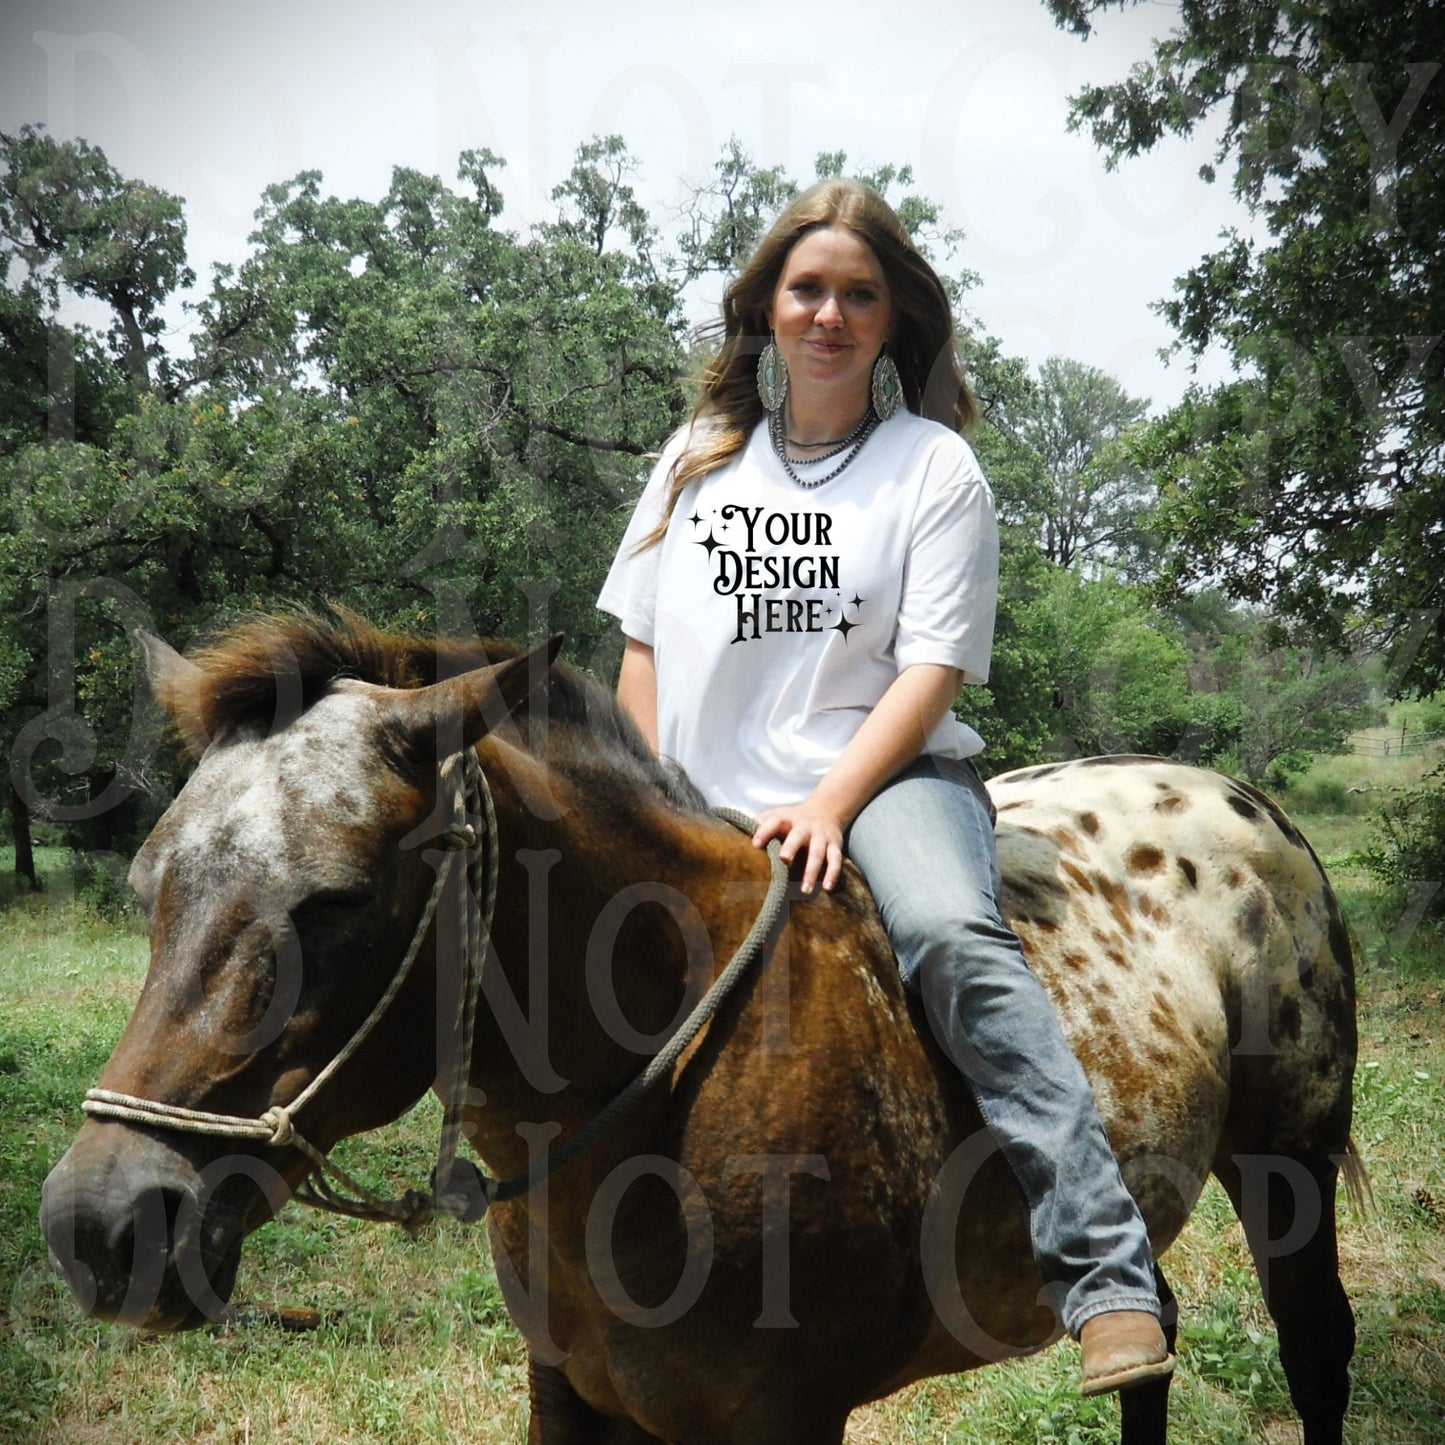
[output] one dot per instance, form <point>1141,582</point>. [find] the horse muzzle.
<point>144,1237</point>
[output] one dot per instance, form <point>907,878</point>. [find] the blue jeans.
<point>925,844</point>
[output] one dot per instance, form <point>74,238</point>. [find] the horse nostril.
<point>117,1252</point>
<point>141,1251</point>
<point>152,1241</point>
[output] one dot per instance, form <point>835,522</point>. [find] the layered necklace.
<point>847,447</point>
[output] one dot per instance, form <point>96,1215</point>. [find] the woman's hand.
<point>811,828</point>
<point>890,737</point>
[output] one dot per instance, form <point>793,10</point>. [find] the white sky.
<point>213,102</point>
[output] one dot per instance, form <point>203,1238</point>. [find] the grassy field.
<point>412,1342</point>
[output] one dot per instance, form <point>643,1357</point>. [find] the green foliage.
<point>1091,501</point>
<point>1263,707</point>
<point>1081,666</point>
<point>1315,480</point>
<point>1294,706</point>
<point>76,223</point>
<point>727,216</point>
<point>1423,715</point>
<point>1123,679</point>
<point>1318,795</point>
<point>99,883</point>
<point>1407,852</point>
<point>1015,712</point>
<point>395,404</point>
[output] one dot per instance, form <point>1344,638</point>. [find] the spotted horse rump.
<point>1195,952</point>
<point>806,1213</point>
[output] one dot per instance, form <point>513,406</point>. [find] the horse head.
<point>282,887</point>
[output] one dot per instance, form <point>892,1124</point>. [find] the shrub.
<point>1407,853</point>
<point>1319,795</point>
<point>100,884</point>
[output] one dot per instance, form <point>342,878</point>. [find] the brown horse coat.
<point>808,1215</point>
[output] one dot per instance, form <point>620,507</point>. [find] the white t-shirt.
<point>779,615</point>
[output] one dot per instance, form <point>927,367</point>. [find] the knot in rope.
<point>283,1131</point>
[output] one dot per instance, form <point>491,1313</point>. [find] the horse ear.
<point>175,683</point>
<point>460,712</point>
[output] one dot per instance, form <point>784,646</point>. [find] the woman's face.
<point>831,313</point>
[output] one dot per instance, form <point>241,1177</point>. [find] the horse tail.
<point>1357,1181</point>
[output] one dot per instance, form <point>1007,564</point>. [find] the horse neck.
<point>604,906</point>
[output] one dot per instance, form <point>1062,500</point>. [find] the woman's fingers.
<point>819,839</point>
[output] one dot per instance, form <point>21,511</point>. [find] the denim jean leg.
<point>926,846</point>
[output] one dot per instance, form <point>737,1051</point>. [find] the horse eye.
<point>331,900</point>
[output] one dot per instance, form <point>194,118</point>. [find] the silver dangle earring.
<point>772,376</point>
<point>887,386</point>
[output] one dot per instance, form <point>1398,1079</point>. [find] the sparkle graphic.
<point>844,626</point>
<point>857,601</point>
<point>710,542</point>
<point>694,519</point>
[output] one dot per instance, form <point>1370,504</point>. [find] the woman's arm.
<point>637,688</point>
<point>891,736</point>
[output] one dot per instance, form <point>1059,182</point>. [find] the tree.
<point>77,224</point>
<point>1122,679</point>
<point>727,215</point>
<point>392,403</point>
<point>1090,498</point>
<point>1275,707</point>
<point>1016,714</point>
<point>1315,481</point>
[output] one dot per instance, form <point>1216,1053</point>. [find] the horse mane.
<point>266,671</point>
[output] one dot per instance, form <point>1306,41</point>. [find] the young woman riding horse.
<point>808,578</point>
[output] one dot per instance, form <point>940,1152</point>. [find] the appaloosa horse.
<point>805,1214</point>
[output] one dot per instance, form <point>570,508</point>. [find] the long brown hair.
<point>922,345</point>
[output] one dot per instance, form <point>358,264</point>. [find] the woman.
<point>810,574</point>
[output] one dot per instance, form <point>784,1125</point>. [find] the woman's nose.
<point>830,313</point>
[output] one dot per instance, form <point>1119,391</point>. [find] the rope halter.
<point>466,788</point>
<point>459,1190</point>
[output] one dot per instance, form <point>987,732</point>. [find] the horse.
<point>804,1212</point>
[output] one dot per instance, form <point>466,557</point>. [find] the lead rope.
<point>661,1064</point>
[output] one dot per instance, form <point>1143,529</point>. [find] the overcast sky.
<point>213,102</point>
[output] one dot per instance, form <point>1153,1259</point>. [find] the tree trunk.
<point>24,847</point>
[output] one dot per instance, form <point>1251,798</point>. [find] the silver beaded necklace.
<point>852,444</point>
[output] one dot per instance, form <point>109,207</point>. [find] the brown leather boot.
<point>1122,1348</point>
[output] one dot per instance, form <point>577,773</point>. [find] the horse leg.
<point>1144,1409</point>
<point>1286,1203</point>
<point>560,1416</point>
<point>785,1425</point>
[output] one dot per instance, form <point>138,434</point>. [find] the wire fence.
<point>1400,745</point>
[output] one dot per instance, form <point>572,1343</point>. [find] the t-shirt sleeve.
<point>950,583</point>
<point>630,591</point>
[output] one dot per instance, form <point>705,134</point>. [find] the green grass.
<point>412,1342</point>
